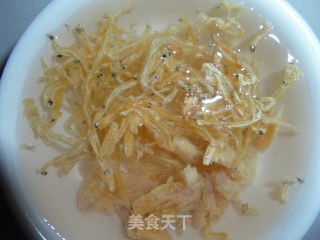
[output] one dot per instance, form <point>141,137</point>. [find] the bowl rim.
<point>34,224</point>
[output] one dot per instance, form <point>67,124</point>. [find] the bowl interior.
<point>50,201</point>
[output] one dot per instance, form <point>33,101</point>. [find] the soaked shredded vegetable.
<point>172,120</point>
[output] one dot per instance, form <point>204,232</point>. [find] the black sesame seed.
<point>96,126</point>
<point>300,180</point>
<point>108,171</point>
<point>52,37</point>
<point>79,29</point>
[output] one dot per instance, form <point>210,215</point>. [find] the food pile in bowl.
<point>171,121</point>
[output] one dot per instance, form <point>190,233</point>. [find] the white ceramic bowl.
<point>47,205</point>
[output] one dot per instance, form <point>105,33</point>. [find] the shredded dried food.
<point>172,120</point>
<point>27,147</point>
<point>284,187</point>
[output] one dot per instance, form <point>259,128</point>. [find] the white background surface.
<point>16,15</point>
